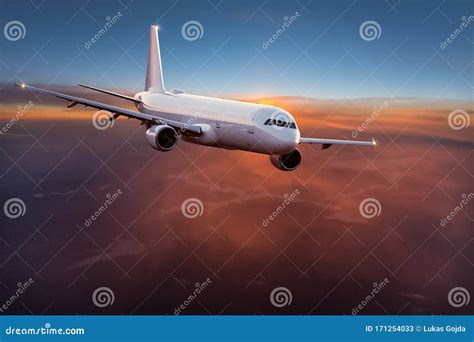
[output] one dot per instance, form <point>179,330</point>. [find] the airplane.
<point>173,115</point>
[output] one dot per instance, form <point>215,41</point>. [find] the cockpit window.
<point>280,123</point>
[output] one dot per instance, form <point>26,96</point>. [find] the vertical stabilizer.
<point>154,72</point>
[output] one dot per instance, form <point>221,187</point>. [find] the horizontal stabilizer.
<point>125,97</point>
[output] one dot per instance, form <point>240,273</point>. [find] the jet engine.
<point>287,162</point>
<point>161,137</point>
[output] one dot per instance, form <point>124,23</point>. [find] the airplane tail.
<point>154,73</point>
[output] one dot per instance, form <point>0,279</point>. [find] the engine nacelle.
<point>161,137</point>
<point>287,162</point>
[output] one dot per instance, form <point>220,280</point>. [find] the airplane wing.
<point>328,142</point>
<point>73,100</point>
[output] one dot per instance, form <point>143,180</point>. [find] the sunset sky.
<point>320,247</point>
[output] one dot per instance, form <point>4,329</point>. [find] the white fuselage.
<point>226,123</point>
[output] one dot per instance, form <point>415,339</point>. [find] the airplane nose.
<point>282,131</point>
<point>289,140</point>
<point>294,138</point>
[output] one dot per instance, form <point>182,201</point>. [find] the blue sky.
<point>321,54</point>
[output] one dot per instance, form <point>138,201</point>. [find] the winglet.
<point>374,143</point>
<point>154,73</point>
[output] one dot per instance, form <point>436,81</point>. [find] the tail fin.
<point>154,73</point>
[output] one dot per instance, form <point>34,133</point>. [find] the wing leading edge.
<point>328,142</point>
<point>117,111</point>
